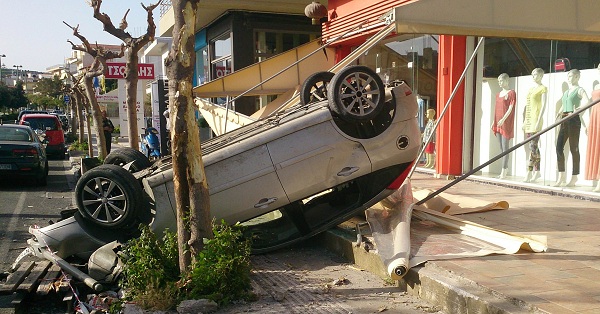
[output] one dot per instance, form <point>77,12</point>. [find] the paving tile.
<point>573,300</point>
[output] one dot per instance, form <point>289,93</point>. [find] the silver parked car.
<point>287,177</point>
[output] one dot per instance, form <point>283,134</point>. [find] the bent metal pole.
<point>440,116</point>
<point>510,150</point>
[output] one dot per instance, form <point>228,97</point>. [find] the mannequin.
<point>532,123</point>
<point>504,119</point>
<point>592,157</point>
<point>570,130</point>
<point>430,148</point>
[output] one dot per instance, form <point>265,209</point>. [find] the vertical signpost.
<point>116,70</point>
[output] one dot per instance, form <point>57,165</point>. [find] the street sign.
<point>67,98</point>
<point>116,70</point>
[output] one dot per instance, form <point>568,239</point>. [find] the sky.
<point>32,33</point>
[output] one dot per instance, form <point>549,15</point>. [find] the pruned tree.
<point>78,98</point>
<point>132,46</point>
<point>96,69</point>
<point>191,188</point>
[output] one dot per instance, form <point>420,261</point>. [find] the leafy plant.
<point>83,146</point>
<point>150,263</point>
<point>222,270</point>
<point>221,273</point>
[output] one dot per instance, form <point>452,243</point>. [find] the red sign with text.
<point>116,70</point>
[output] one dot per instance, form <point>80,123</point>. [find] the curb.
<point>440,287</point>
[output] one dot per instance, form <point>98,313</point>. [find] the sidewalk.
<point>565,279</point>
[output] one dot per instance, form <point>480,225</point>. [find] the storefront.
<point>224,46</point>
<point>431,53</point>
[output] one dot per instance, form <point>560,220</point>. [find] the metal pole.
<point>1,56</point>
<point>510,150</point>
<point>440,116</point>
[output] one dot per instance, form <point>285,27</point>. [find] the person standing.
<point>532,123</point>
<point>592,157</point>
<point>503,126</point>
<point>108,128</point>
<point>570,130</point>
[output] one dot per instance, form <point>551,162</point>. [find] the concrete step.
<point>438,286</point>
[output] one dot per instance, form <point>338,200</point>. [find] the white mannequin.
<point>533,118</point>
<point>592,164</point>
<point>503,124</point>
<point>573,82</point>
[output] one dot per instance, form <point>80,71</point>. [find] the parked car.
<point>22,154</point>
<point>29,111</point>
<point>49,127</point>
<point>64,120</point>
<point>286,177</point>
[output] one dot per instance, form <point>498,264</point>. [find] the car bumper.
<point>55,149</point>
<point>20,169</point>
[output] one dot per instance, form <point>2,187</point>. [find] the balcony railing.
<point>164,7</point>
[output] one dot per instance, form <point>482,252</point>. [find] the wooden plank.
<point>64,283</point>
<point>33,279</point>
<point>47,283</point>
<point>15,279</point>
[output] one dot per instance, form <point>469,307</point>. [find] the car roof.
<point>15,126</point>
<point>38,115</point>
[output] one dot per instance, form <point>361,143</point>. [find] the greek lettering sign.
<point>116,70</point>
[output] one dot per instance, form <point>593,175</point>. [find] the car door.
<point>244,185</point>
<point>316,158</point>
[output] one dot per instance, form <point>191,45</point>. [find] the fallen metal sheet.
<point>407,235</point>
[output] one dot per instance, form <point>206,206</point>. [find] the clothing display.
<point>592,157</point>
<point>503,103</point>
<point>533,109</point>
<point>569,130</point>
<point>534,153</point>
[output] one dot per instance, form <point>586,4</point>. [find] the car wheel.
<point>315,87</point>
<point>123,156</point>
<point>109,196</point>
<point>356,93</point>
<point>42,180</point>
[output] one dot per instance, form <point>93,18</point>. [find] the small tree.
<point>191,189</point>
<point>132,47</point>
<point>96,69</point>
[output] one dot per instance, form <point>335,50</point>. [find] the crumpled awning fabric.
<point>407,235</point>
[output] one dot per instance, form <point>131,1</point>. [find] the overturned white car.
<point>287,177</point>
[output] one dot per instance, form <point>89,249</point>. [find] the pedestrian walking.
<point>108,128</point>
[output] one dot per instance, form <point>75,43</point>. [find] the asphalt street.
<point>22,204</point>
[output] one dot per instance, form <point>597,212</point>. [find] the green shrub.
<point>83,146</point>
<point>221,273</point>
<point>150,263</point>
<point>222,270</point>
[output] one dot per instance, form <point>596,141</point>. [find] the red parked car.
<point>49,127</point>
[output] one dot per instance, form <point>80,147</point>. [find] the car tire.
<point>314,88</point>
<point>109,196</point>
<point>42,180</point>
<point>356,93</point>
<point>123,156</point>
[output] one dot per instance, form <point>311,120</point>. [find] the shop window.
<point>530,83</point>
<point>221,61</point>
<point>202,63</point>
<point>270,43</point>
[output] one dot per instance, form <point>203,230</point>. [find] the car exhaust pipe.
<point>72,270</point>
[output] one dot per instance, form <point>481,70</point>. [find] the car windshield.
<point>15,135</point>
<point>44,124</point>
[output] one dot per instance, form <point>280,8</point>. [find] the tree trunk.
<point>191,189</point>
<point>79,114</point>
<point>131,84</point>
<point>96,116</point>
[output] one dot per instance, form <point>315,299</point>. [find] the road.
<point>23,204</point>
